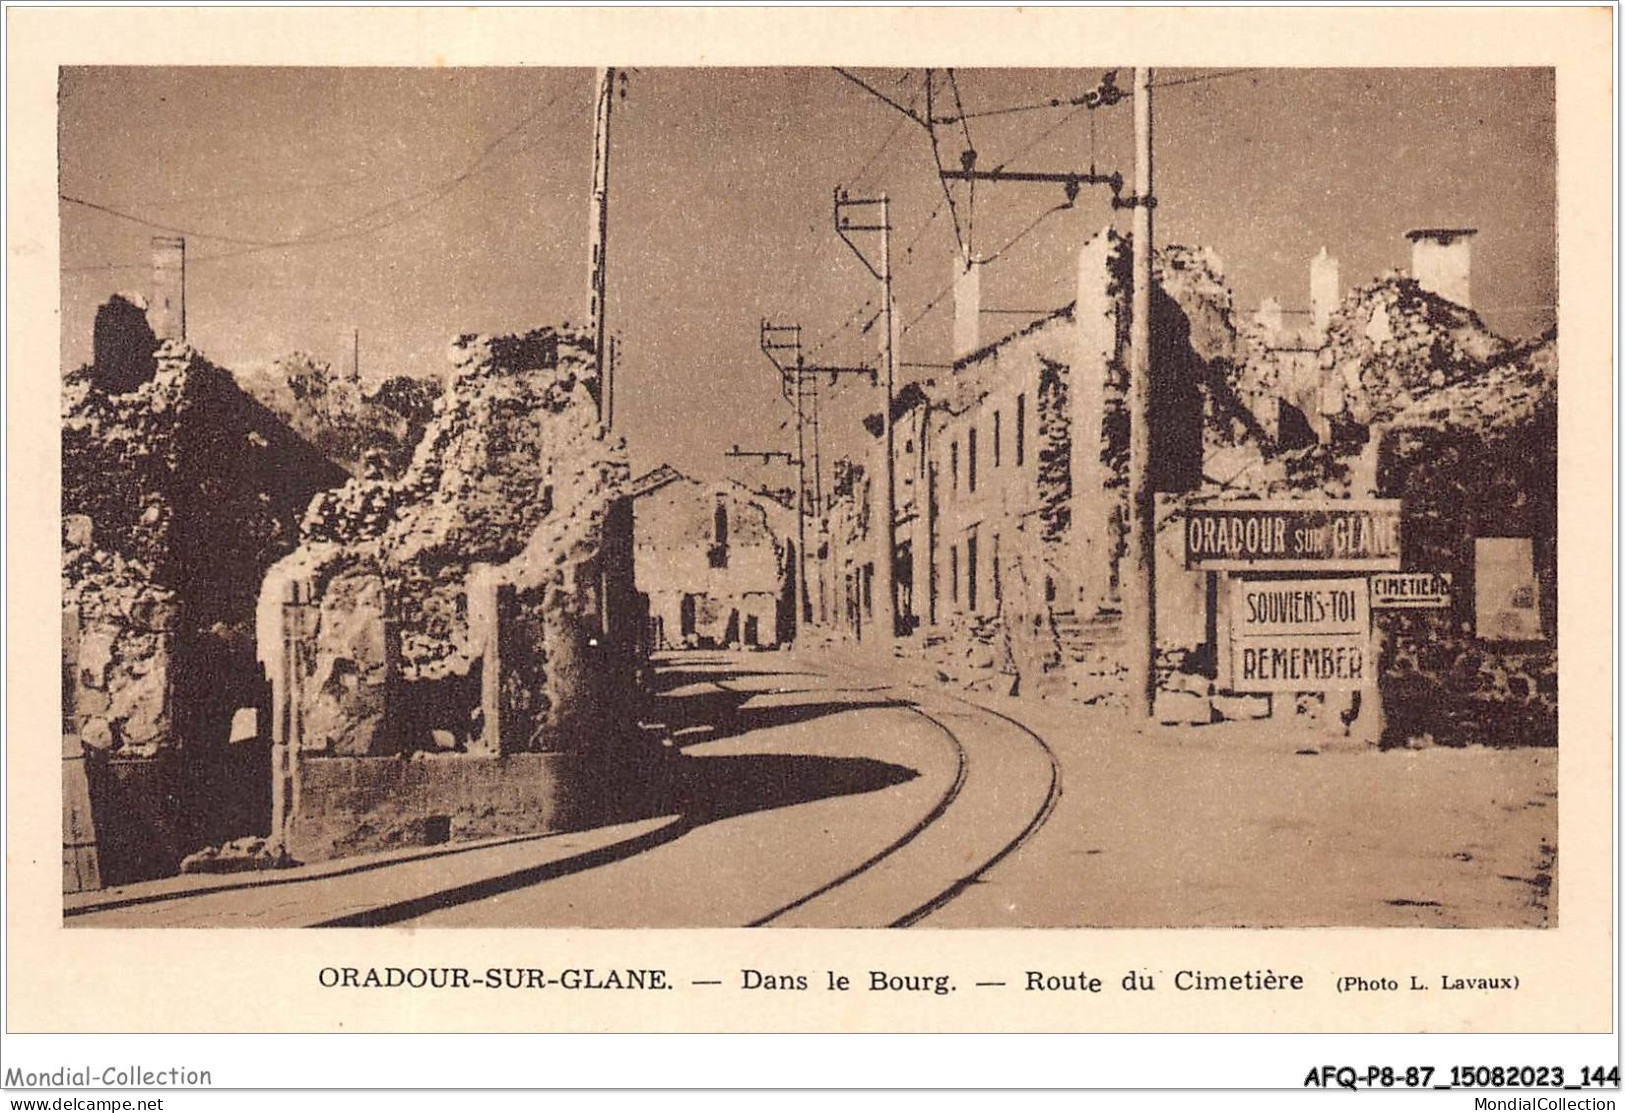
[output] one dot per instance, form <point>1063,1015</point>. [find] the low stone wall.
<point>150,812</point>
<point>358,805</point>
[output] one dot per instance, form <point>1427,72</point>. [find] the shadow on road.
<point>693,790</point>
<point>698,705</point>
<point>701,790</point>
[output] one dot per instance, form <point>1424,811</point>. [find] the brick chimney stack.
<point>1442,262</point>
<point>167,311</point>
<point>967,308</point>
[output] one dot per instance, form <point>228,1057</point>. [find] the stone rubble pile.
<point>514,436</point>
<point>1506,396</point>
<point>178,490</point>
<point>251,852</point>
<point>1392,341</point>
<point>511,483</point>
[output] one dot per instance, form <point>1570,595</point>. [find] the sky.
<point>412,205</point>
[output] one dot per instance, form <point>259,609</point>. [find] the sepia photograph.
<point>839,496</point>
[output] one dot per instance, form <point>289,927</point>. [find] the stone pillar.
<point>1442,262</point>
<point>285,666</point>
<point>485,590</point>
<point>1097,312</point>
<point>513,702</point>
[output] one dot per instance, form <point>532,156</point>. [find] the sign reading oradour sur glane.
<point>1300,635</point>
<point>1293,535</point>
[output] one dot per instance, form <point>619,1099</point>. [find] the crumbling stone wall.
<point>1473,460</point>
<point>177,494</point>
<point>480,604</point>
<point>363,430</point>
<point>178,491</point>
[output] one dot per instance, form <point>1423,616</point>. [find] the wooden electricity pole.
<point>798,380</point>
<point>1139,583</point>
<point>885,571</point>
<point>599,236</point>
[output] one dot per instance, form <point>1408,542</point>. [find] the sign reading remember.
<point>1295,535</point>
<point>1300,635</point>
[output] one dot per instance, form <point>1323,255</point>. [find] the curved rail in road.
<point>962,763</point>
<point>1052,797</point>
<point>934,818</point>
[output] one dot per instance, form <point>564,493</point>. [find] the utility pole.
<point>888,579</point>
<point>771,343</point>
<point>1139,585</point>
<point>885,569</point>
<point>799,383</point>
<point>598,235</point>
<point>355,357</point>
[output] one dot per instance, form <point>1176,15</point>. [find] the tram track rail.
<point>934,816</point>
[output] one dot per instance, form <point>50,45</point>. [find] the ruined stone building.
<point>304,619</point>
<point>453,652</point>
<point>716,562</point>
<point>179,490</point>
<point>1011,532</point>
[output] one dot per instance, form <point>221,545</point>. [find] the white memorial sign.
<point>1300,635</point>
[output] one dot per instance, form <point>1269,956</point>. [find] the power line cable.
<point>878,95</point>
<point>969,158</point>
<point>858,178</point>
<point>936,156</point>
<point>929,306</point>
<point>1021,235</point>
<point>359,225</point>
<point>1172,81</point>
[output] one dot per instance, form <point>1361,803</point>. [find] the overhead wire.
<point>869,163</point>
<point>878,95</point>
<point>1077,104</point>
<point>936,156</point>
<point>970,158</point>
<point>361,224</point>
<point>1021,235</point>
<point>1196,78</point>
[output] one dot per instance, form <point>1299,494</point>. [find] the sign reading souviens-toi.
<point>1308,635</point>
<point>1293,535</point>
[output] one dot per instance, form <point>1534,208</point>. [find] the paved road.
<point>799,798</point>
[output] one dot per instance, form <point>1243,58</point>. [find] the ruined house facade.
<point>716,563</point>
<point>179,490</point>
<point>1012,479</point>
<point>303,620</point>
<point>452,651</point>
